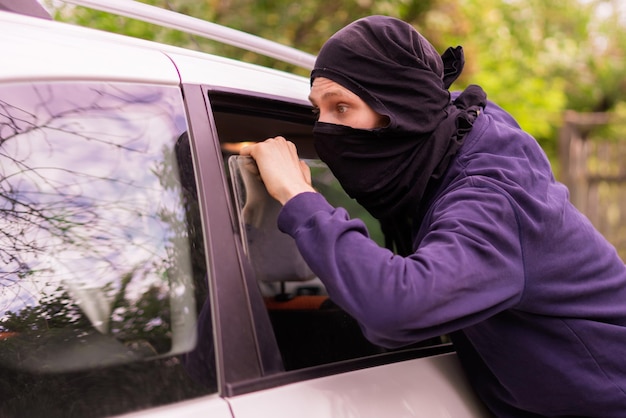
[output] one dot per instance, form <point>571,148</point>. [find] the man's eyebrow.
<point>327,94</point>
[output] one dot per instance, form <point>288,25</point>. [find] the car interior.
<point>310,329</point>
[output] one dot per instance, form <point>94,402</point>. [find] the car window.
<point>309,328</point>
<point>103,270</point>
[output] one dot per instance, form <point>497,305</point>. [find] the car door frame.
<point>250,370</point>
<point>248,355</point>
<point>237,317</point>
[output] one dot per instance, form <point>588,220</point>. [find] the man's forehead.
<point>323,88</point>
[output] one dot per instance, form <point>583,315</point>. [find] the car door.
<point>429,387</point>
<point>311,357</point>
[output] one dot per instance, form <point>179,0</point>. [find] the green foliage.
<point>144,319</point>
<point>55,310</point>
<point>535,58</point>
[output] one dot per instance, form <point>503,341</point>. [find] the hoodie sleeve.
<point>467,267</point>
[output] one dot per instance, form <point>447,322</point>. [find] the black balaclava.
<point>399,74</point>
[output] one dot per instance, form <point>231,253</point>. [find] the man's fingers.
<point>246,150</point>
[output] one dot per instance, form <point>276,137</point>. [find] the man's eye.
<point>342,109</point>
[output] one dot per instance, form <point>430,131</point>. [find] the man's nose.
<point>324,117</point>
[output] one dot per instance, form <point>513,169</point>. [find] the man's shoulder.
<point>499,115</point>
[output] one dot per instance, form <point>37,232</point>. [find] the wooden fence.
<point>594,169</point>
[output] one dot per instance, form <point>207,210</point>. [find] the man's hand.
<point>282,171</point>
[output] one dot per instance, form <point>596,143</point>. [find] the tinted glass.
<point>103,267</point>
<point>309,328</point>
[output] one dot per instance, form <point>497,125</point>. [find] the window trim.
<point>330,369</point>
<point>236,347</point>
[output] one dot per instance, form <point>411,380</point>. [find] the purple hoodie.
<point>532,295</point>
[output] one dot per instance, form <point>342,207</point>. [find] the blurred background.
<point>559,66</point>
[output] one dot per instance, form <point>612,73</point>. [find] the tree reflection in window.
<point>93,235</point>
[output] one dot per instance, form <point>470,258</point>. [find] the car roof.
<point>39,49</point>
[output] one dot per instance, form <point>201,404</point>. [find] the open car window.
<point>309,328</point>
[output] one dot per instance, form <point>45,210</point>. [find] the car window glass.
<point>272,253</point>
<point>103,263</point>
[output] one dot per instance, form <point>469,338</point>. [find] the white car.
<point>141,269</point>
